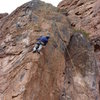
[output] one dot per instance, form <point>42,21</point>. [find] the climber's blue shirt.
<point>43,39</point>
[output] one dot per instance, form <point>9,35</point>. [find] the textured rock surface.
<point>95,40</point>
<point>2,15</point>
<point>65,69</point>
<point>80,73</point>
<point>84,14</point>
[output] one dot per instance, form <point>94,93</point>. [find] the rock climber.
<point>41,41</point>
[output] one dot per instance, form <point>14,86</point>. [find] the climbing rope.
<point>70,58</point>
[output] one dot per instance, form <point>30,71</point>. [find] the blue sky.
<point>10,5</point>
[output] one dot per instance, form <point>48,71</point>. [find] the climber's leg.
<point>36,46</point>
<point>39,48</point>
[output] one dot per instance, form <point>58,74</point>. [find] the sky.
<point>10,5</point>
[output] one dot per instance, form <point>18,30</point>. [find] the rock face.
<point>65,69</point>
<point>95,40</point>
<point>84,14</point>
<point>3,15</point>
